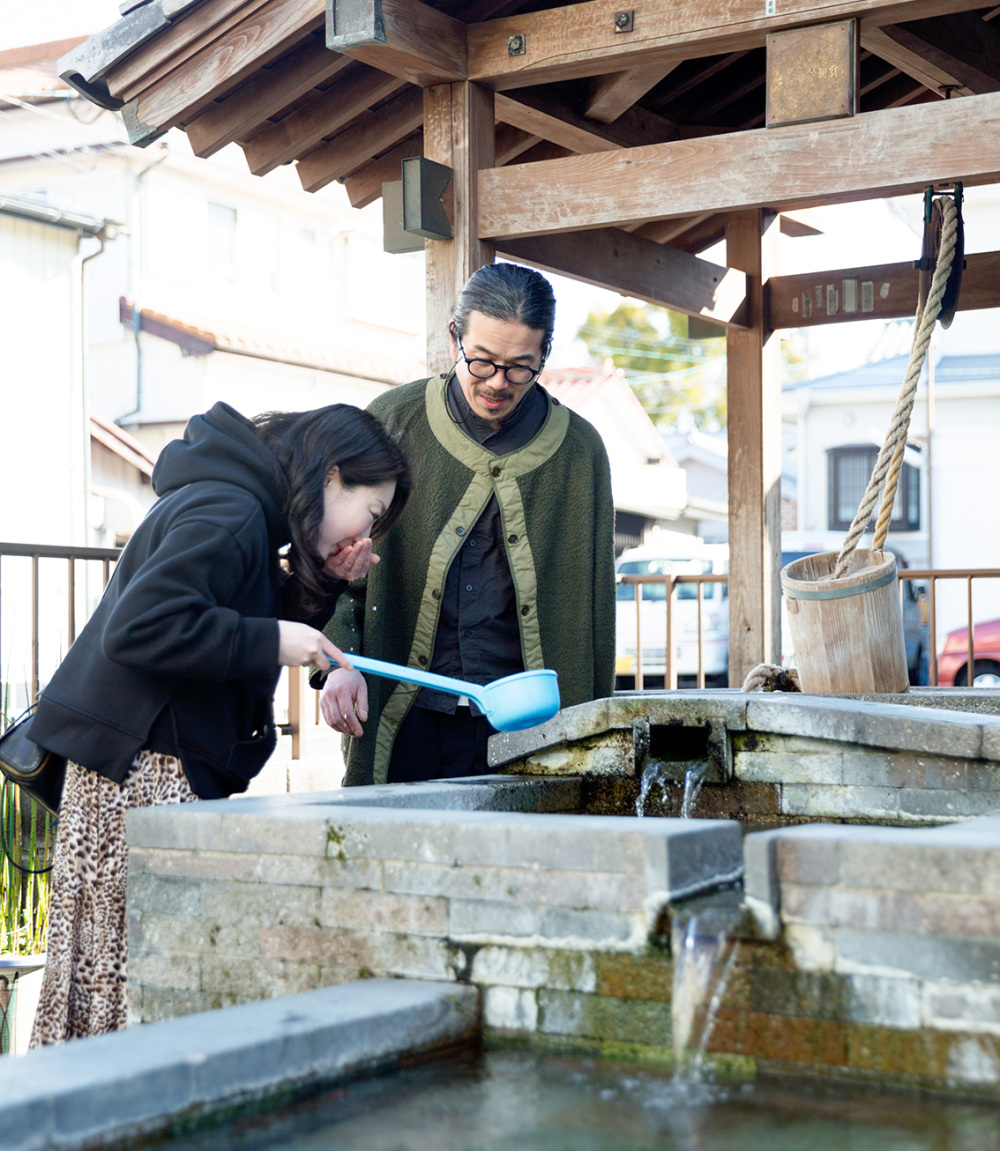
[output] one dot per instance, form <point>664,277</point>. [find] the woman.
<point>166,696</point>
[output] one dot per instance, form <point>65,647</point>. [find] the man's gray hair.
<point>512,293</point>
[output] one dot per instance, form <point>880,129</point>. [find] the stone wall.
<point>554,917</point>
<point>886,954</point>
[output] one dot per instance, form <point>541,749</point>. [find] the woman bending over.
<point>167,694</point>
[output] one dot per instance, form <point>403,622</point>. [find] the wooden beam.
<point>580,39</point>
<point>372,133</point>
<point>322,115</point>
<point>190,87</point>
<point>959,52</point>
<point>880,292</point>
<point>610,96</point>
<point>510,142</point>
<point>753,371</point>
<point>364,187</point>
<point>547,116</point>
<point>458,132</point>
<point>405,38</point>
<point>263,96</point>
<point>611,258</point>
<point>878,154</point>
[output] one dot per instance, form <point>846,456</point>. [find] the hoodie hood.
<point>222,446</point>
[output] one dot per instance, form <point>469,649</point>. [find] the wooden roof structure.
<point>608,144</point>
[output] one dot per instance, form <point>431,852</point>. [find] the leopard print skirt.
<point>84,987</point>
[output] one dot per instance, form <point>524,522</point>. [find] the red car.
<point>953,662</point>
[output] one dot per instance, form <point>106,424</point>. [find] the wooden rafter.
<point>364,187</point>
<point>878,154</point>
<point>959,54</point>
<point>612,258</point>
<point>611,96</point>
<point>371,134</point>
<point>324,114</point>
<point>545,115</point>
<point>264,96</point>
<point>189,87</point>
<point>580,40</point>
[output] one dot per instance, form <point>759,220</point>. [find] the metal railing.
<point>38,555</point>
<point>930,577</point>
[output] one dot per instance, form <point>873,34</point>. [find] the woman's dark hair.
<point>308,445</point>
<point>512,293</point>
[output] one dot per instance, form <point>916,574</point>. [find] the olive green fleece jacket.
<point>558,519</point>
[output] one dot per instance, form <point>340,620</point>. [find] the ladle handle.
<point>424,678</point>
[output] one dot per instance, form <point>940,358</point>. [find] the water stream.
<point>664,774</point>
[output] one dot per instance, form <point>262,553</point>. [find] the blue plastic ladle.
<point>513,703</point>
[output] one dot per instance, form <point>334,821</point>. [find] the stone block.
<point>922,956</point>
<point>306,871</point>
<point>812,946</point>
<point>927,730</point>
<point>235,903</point>
<point>798,715</point>
<point>381,911</point>
<point>805,904</point>
<point>586,930</point>
<point>416,956</point>
<point>807,859</point>
<point>943,804</point>
<point>952,1006</point>
<point>781,766</point>
<point>178,972</point>
<point>816,1043</point>
<point>157,1003</point>
<point>572,723</point>
<point>510,1009</point>
<point>849,998</point>
<point>192,864</point>
<point>260,979</point>
<point>164,895</point>
<point>319,947</point>
<point>839,802</point>
<point>181,826</point>
<point>686,856</point>
<point>594,1017</point>
<point>475,920</point>
<point>285,831</point>
<point>983,775</point>
<point>633,977</point>
<point>910,864</point>
<point>532,968</point>
<point>991,740</point>
<point>174,935</point>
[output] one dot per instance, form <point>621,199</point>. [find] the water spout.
<point>666,775</point>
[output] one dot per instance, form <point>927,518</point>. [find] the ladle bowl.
<point>513,703</point>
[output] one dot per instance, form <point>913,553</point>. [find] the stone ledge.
<point>134,1082</point>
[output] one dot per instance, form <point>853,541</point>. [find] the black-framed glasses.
<point>517,374</point>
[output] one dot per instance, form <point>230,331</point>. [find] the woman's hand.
<point>353,562</point>
<point>300,645</point>
<point>344,701</point>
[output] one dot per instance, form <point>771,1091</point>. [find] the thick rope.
<point>771,677</point>
<point>895,440</point>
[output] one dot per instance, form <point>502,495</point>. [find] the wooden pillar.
<point>753,366</point>
<point>458,131</point>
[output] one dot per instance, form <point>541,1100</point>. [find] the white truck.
<point>673,554</point>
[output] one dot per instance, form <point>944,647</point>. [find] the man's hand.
<point>300,645</point>
<point>352,563</point>
<point>344,701</point>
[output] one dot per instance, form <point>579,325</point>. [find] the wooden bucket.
<point>847,633</point>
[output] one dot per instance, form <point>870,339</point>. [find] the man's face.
<point>503,342</point>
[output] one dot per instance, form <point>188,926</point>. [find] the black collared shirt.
<point>478,638</point>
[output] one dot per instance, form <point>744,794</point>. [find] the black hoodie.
<point>186,633</point>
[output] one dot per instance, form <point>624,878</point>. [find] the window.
<point>850,468</point>
<point>221,255</point>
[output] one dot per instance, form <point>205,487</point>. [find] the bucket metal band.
<point>836,590</point>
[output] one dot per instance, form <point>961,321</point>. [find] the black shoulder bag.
<point>32,768</point>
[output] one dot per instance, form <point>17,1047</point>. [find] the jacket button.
<point>497,471</point>
<point>512,539</point>
<point>435,594</point>
<point>525,610</point>
<point>460,531</point>
<point>422,660</point>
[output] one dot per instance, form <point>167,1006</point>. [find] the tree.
<point>680,382</point>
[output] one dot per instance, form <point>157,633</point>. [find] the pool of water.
<point>517,1100</point>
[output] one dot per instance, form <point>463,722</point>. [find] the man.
<point>504,558</point>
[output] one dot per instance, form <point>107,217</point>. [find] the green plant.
<point>26,847</point>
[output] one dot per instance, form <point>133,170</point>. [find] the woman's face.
<point>349,514</point>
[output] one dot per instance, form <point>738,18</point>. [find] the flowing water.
<point>663,774</point>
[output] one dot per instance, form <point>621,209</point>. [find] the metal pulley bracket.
<point>933,220</point>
